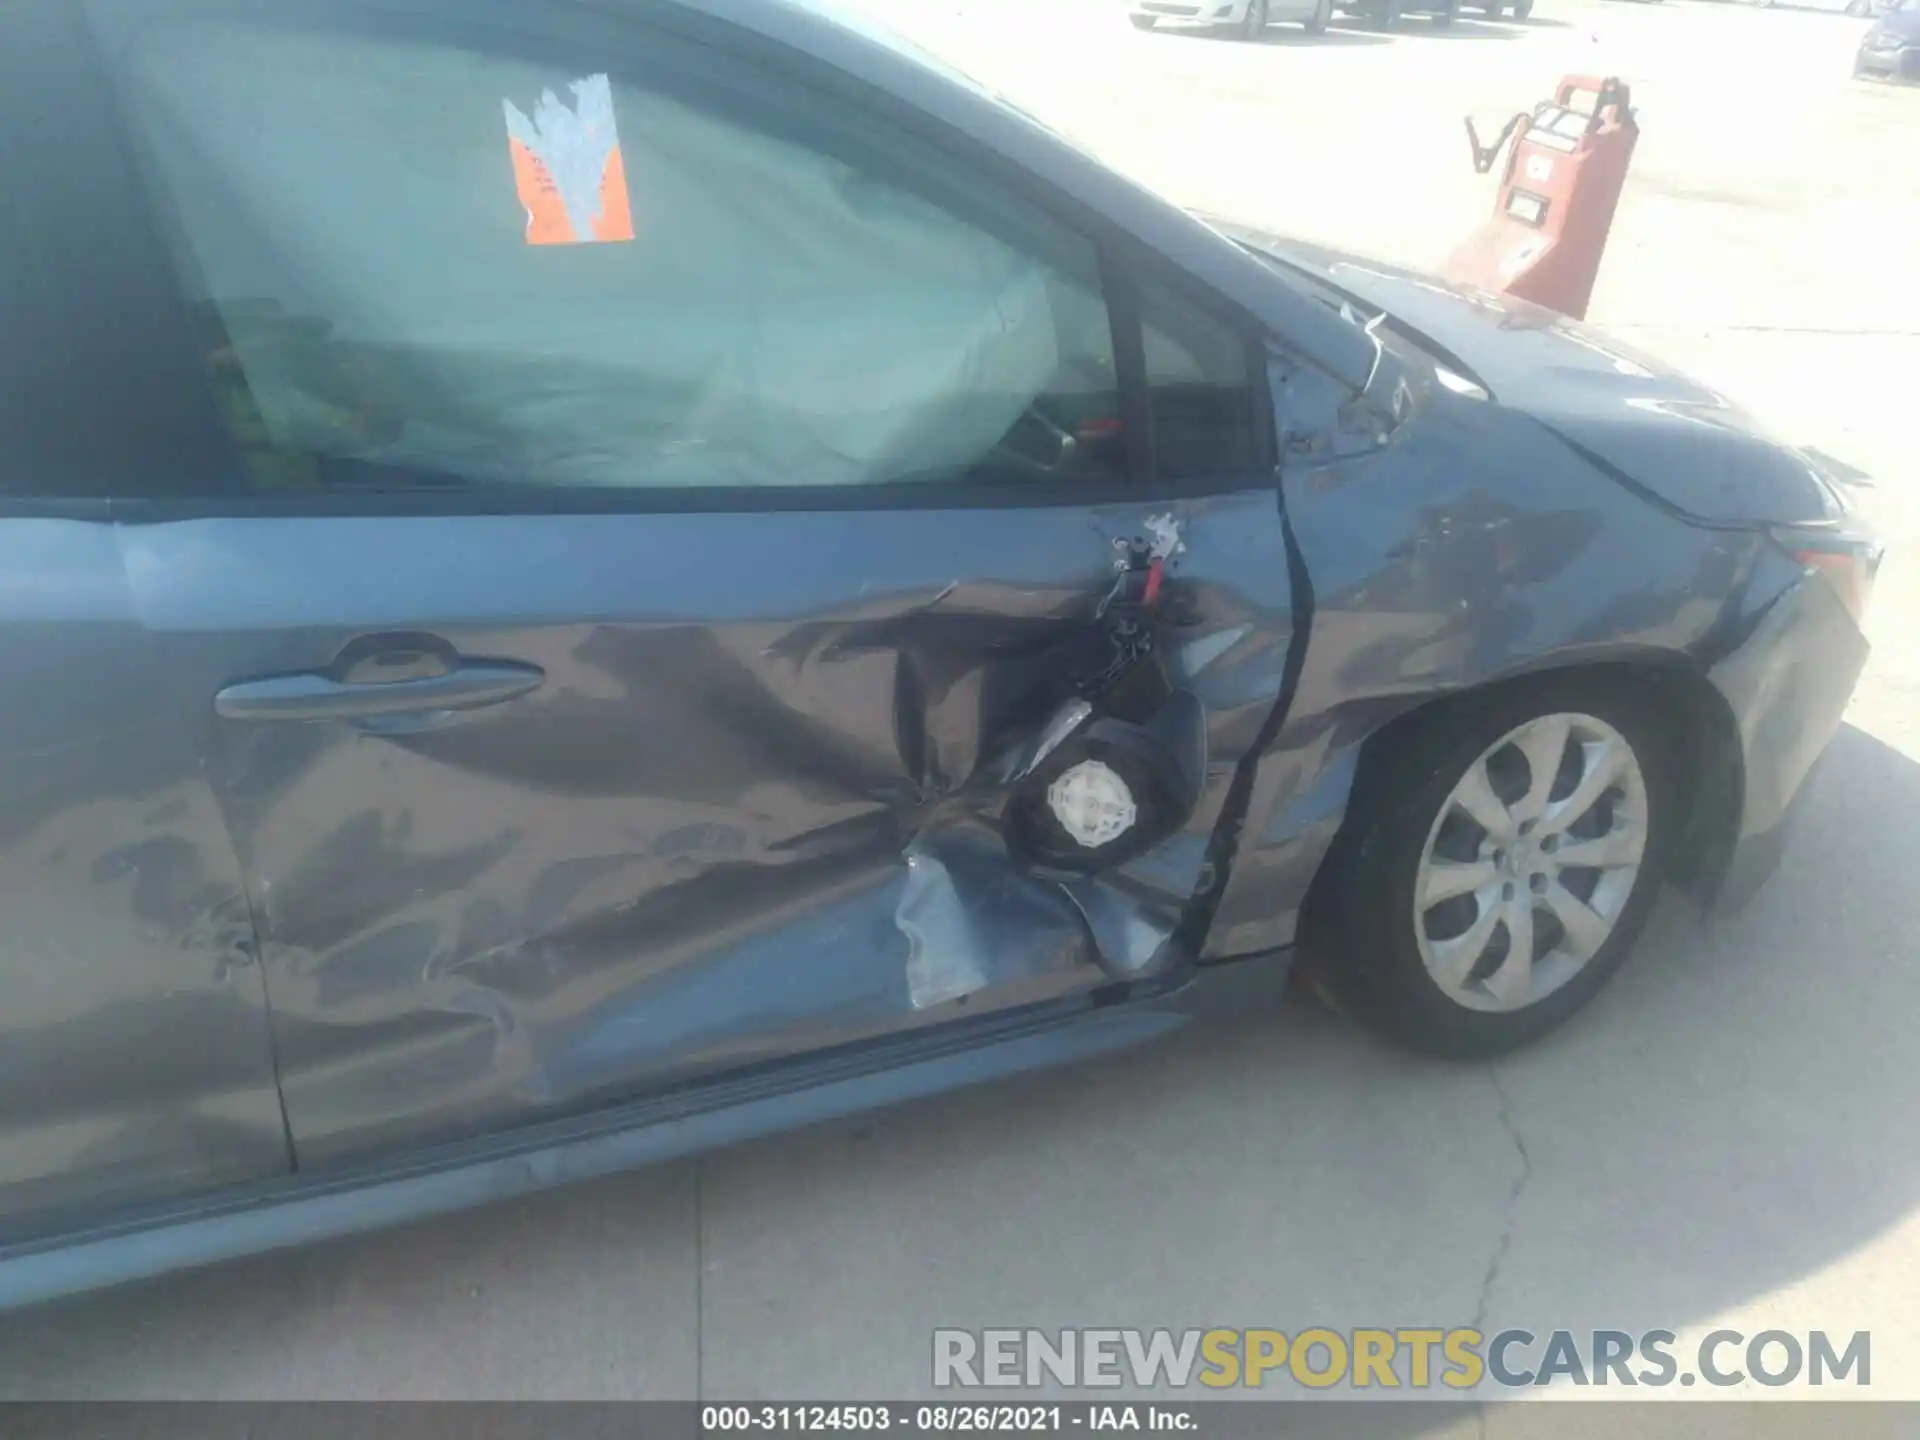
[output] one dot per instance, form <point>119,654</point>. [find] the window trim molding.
<point>478,500</point>
<point>1121,292</point>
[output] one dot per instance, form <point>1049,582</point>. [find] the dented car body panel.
<point>1475,548</point>
<point>1787,684</point>
<point>750,811</point>
<point>1678,441</point>
<point>138,1063</point>
<point>366,857</point>
<point>420,1183</point>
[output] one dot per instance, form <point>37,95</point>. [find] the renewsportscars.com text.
<point>1320,1358</point>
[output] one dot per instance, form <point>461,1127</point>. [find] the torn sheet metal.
<point>1129,931</point>
<point>971,922</point>
<point>754,813</point>
<point>943,961</point>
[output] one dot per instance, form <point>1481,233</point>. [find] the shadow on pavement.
<point>1282,35</point>
<point>1422,27</point>
<point>1338,35</point>
<point>1729,1118</point>
<point>1733,1114</point>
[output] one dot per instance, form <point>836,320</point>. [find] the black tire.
<point>1446,14</point>
<point>1361,917</point>
<point>1385,14</point>
<point>1142,22</point>
<point>1255,24</point>
<point>1522,9</point>
<point>1316,23</point>
<point>1494,9</point>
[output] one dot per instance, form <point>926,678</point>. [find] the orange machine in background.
<point>1557,196</point>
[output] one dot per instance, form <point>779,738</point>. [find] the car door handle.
<point>465,686</point>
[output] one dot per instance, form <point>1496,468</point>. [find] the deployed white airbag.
<point>777,319</point>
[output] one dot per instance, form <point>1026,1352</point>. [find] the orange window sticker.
<point>567,167</point>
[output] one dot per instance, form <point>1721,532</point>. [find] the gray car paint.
<point>1475,547</point>
<point>1788,685</point>
<point>1480,548</point>
<point>1632,414</point>
<point>134,1055</point>
<point>611,883</point>
<point>707,839</point>
<point>134,1051</point>
<point>412,1185</point>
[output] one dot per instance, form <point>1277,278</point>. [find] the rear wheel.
<point>1522,9</point>
<point>1255,25</point>
<point>1384,14</point>
<point>1142,22</point>
<point>1322,17</point>
<point>1501,864</point>
<point>1494,9</point>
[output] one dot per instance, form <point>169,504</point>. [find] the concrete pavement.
<point>1722,1140</point>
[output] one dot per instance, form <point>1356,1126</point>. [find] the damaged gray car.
<point>580,581</point>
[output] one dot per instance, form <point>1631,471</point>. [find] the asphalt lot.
<point>1722,1140</point>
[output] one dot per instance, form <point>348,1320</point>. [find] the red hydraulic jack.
<point>1557,196</point>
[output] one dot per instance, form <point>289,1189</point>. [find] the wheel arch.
<point>1709,759</point>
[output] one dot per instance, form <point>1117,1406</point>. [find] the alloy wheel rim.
<point>1531,862</point>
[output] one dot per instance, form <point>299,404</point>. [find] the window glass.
<point>1202,396</point>
<point>425,264</point>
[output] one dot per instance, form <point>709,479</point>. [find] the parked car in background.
<point>1247,19</point>
<point>1387,14</point>
<point>1243,18</point>
<point>581,582</point>
<point>1891,49</point>
<point>1859,9</point>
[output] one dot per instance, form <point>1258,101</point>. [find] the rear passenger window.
<point>419,264</point>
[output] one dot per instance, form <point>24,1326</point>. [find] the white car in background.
<point>1246,18</point>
